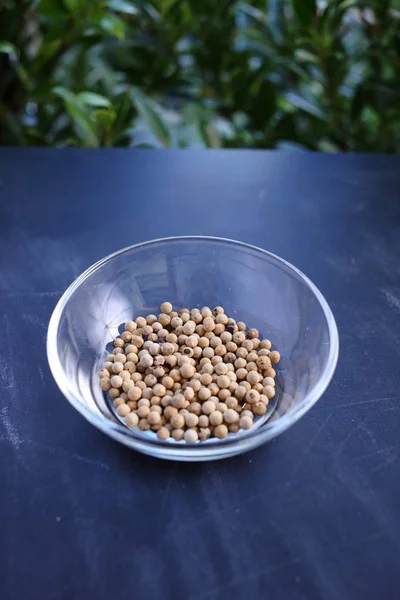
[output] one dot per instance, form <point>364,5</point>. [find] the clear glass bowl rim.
<point>181,451</point>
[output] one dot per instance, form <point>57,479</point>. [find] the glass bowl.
<point>251,284</point>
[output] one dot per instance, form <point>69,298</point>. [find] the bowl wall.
<point>252,286</point>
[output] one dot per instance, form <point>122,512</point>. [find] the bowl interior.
<point>252,285</point>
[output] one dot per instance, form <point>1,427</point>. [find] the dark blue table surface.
<point>314,514</point>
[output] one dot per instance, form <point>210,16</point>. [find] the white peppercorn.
<point>268,391</point>
<point>195,407</point>
<point>116,381</point>
<point>178,400</point>
<point>208,407</point>
<point>259,408</point>
<point>231,416</point>
<point>163,433</point>
<point>203,421</point>
<point>177,434</point>
<point>223,381</point>
<point>117,368</point>
<point>248,345</point>
<point>150,380</point>
<point>221,431</point>
<point>204,434</point>
<point>123,410</point>
<point>191,419</point>
<point>189,371</point>
<point>253,333</point>
<point>146,360</point>
<point>204,393</point>
<point>274,357</point>
<point>191,436</point>
<point>159,390</point>
<point>134,393</point>
<point>189,328</point>
<point>166,307</point>
<point>130,326</point>
<point>118,401</point>
<point>105,384</point>
<point>252,396</point>
<point>216,417</point>
<point>170,411</point>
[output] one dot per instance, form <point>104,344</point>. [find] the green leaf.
<point>305,56</point>
<point>146,110</point>
<point>202,118</point>
<point>275,18</point>
<point>122,6</point>
<point>48,49</point>
<point>51,9</point>
<point>112,25</point>
<point>80,116</point>
<point>105,117</point>
<point>13,54</point>
<point>169,7</point>
<point>92,99</point>
<point>370,119</point>
<point>305,10</point>
<point>75,6</point>
<point>210,135</point>
<point>297,100</point>
<point>125,112</point>
<point>327,146</point>
<point>10,49</point>
<point>255,14</point>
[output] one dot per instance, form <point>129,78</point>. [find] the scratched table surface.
<point>314,514</point>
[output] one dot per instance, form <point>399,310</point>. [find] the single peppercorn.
<point>223,381</point>
<point>204,434</point>
<point>231,416</point>
<point>246,422</point>
<point>203,421</point>
<point>269,391</point>
<point>177,421</point>
<point>252,396</point>
<point>177,434</point>
<point>105,384</point>
<point>113,393</point>
<point>166,307</point>
<point>270,372</point>
<point>274,357</point>
<point>191,436</point>
<point>221,431</point>
<point>224,394</point>
<point>130,326</point>
<point>259,408</point>
<point>159,390</point>
<point>263,363</point>
<point>134,393</point>
<point>253,377</point>
<point>123,410</point>
<point>163,433</point>
<point>216,418</point>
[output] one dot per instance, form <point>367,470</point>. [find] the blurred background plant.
<point>298,74</point>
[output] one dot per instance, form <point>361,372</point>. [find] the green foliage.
<point>314,74</point>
